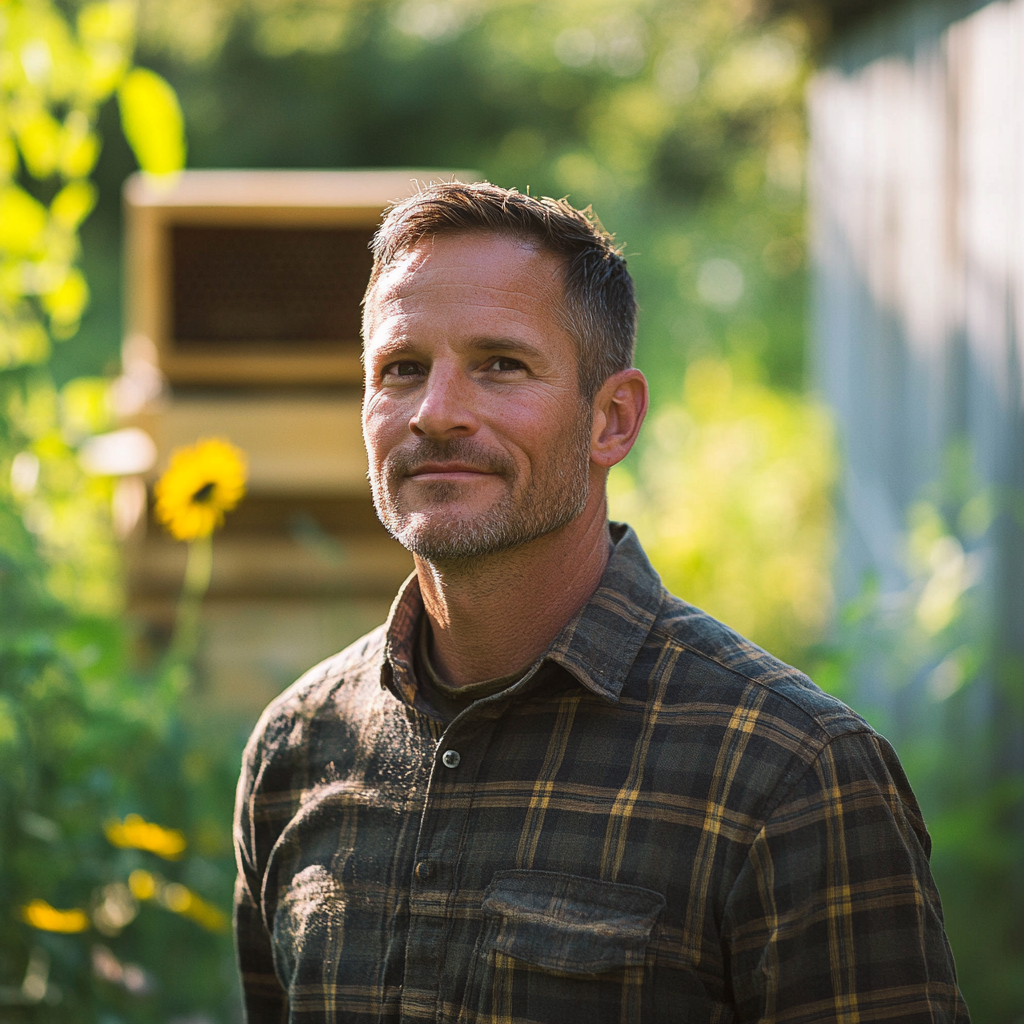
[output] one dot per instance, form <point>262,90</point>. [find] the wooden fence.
<point>917,210</point>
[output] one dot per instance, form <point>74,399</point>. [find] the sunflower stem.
<point>198,567</point>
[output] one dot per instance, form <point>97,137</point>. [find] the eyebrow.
<point>398,348</point>
<point>390,351</point>
<point>488,344</point>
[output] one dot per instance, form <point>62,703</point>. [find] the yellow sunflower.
<point>202,483</point>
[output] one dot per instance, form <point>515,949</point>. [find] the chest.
<point>552,854</point>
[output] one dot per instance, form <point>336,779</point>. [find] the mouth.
<point>450,471</point>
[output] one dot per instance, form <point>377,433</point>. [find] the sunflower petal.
<point>201,483</point>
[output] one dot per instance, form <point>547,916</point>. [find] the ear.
<point>619,410</point>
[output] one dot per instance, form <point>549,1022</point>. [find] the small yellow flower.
<point>41,915</point>
<point>181,900</point>
<point>202,483</point>
<point>138,834</point>
<point>142,884</point>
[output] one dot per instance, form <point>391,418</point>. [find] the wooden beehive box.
<point>243,313</point>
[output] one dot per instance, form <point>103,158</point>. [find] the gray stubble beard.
<point>550,501</point>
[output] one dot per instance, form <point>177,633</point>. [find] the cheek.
<point>542,424</point>
<point>381,431</point>
<point>536,441</point>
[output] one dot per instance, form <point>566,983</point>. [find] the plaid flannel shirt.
<point>659,823</point>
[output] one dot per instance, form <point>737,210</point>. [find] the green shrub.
<point>105,915</point>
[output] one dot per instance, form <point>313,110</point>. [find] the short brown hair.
<point>599,308</point>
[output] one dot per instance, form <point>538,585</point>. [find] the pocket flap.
<point>570,924</point>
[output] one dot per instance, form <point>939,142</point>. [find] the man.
<point>546,790</point>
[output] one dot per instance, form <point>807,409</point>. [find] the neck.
<point>499,613</point>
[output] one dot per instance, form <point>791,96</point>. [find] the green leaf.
<point>73,204</point>
<point>22,222</point>
<point>152,122</point>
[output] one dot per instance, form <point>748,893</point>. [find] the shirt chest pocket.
<point>561,948</point>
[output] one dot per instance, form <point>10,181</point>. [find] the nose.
<point>446,407</point>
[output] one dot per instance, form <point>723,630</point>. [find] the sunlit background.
<point>823,208</point>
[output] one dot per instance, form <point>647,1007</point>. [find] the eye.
<point>505,364</point>
<point>405,368</point>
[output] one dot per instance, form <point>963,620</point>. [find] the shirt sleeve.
<point>264,1000</point>
<point>262,996</point>
<point>834,915</point>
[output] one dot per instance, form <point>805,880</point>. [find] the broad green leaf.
<point>8,157</point>
<point>22,221</point>
<point>39,138</point>
<point>112,22</point>
<point>23,344</point>
<point>152,122</point>
<point>80,146</point>
<point>67,302</point>
<point>73,203</point>
<point>78,156</point>
<point>85,406</point>
<point>104,67</point>
<point>10,734</point>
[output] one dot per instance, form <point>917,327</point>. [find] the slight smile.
<point>451,471</point>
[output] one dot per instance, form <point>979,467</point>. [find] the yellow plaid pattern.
<point>660,823</point>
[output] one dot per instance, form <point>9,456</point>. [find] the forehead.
<point>472,275</point>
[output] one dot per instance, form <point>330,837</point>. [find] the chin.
<point>451,535</point>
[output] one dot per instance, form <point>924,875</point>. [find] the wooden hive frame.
<point>254,213</point>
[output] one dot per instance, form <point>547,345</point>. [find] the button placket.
<point>438,850</point>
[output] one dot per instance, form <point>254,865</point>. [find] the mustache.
<point>464,450</point>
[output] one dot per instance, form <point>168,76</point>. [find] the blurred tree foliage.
<point>681,122</point>
<point>104,915</point>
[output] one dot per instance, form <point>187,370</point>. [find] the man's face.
<point>477,437</point>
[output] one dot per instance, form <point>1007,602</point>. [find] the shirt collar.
<point>597,646</point>
<point>600,643</point>
<point>396,670</point>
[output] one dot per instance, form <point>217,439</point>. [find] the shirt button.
<point>424,870</point>
<point>451,758</point>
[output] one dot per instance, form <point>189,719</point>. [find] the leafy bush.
<point>106,915</point>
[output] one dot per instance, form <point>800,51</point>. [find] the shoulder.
<point>753,717</point>
<point>313,721</point>
<point>732,663</point>
<point>763,729</point>
<point>680,657</point>
<point>287,719</point>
